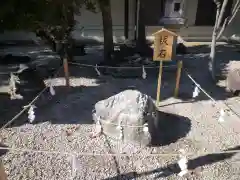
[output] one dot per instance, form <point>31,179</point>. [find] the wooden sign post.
<point>165,50</point>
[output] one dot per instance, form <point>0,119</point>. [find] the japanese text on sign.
<point>163,42</point>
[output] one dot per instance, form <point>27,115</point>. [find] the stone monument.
<point>173,15</point>
<point>129,116</point>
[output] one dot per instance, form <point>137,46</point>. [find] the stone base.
<point>172,24</point>
<point>172,20</point>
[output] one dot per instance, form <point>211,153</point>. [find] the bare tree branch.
<point>220,17</point>
<point>223,28</point>
<point>234,13</point>
<point>212,63</point>
<point>236,6</point>
<point>229,19</point>
<point>217,31</point>
<point>217,2</point>
<point>218,5</point>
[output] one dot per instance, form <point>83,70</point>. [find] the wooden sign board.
<point>164,45</point>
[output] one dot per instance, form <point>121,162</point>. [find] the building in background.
<point>198,16</point>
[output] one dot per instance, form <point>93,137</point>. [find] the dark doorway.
<point>154,11</point>
<point>206,12</point>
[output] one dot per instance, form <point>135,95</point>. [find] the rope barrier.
<point>105,122</point>
<point>214,101</point>
<point>29,104</point>
<point>122,125</point>
<point>147,67</point>
<point>226,104</point>
<point>191,78</point>
<point>234,112</point>
<point>119,154</point>
<point>73,154</point>
<point>140,67</point>
<point>119,67</point>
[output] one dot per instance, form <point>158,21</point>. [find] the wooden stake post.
<point>165,50</point>
<point>66,71</point>
<point>179,70</point>
<point>65,64</point>
<point>3,175</point>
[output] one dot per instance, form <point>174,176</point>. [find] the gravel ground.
<point>64,124</point>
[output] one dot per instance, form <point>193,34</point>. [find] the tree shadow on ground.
<point>3,151</point>
<point>194,163</point>
<point>75,104</point>
<point>168,129</point>
<point>68,106</point>
<point>173,169</point>
<point>225,53</point>
<point>71,105</point>
<point>30,85</point>
<point>196,64</point>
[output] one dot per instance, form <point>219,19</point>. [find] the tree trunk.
<point>135,19</point>
<point>70,40</point>
<point>229,18</point>
<point>105,7</point>
<point>221,14</point>
<point>141,33</point>
<point>126,18</point>
<point>212,55</point>
<point>221,20</point>
<point>212,63</point>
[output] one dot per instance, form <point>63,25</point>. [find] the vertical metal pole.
<point>137,7</point>
<point>126,18</point>
<point>137,19</point>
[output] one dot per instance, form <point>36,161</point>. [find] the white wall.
<point>92,22</point>
<point>191,11</point>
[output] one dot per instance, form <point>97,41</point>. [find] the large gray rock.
<point>131,112</point>
<point>233,81</point>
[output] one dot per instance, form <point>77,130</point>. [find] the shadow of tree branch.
<point>172,169</point>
